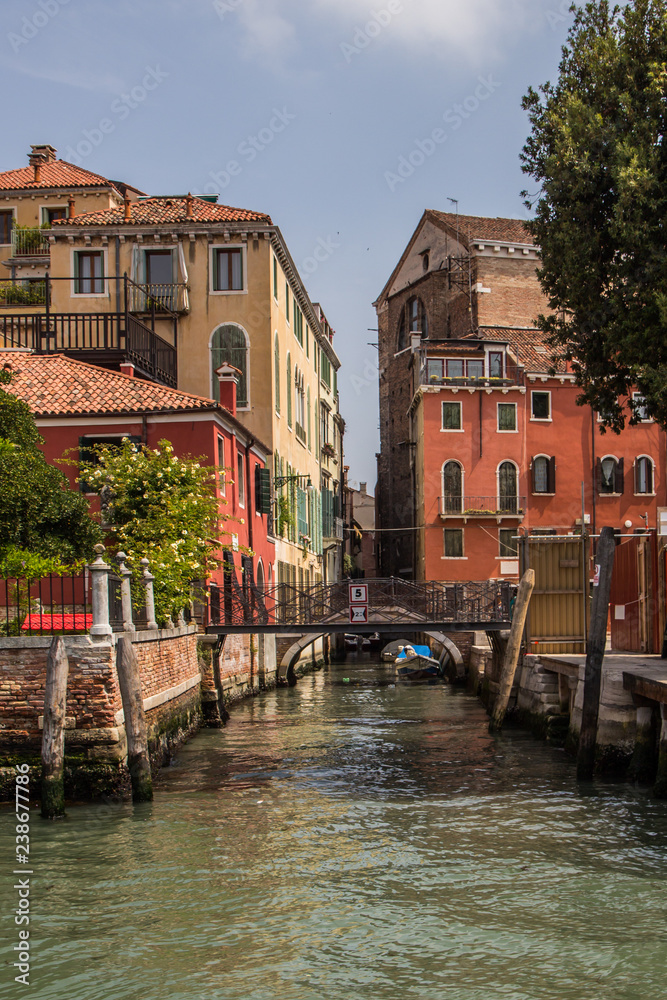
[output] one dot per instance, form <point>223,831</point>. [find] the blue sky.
<point>313,103</point>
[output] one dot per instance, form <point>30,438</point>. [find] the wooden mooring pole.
<point>138,760</point>
<point>53,734</point>
<point>513,649</point>
<point>597,640</point>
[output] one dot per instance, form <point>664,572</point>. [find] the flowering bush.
<point>162,508</point>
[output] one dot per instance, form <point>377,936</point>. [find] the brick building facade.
<point>481,436</point>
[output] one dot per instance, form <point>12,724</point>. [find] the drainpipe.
<point>118,309</point>
<point>593,471</point>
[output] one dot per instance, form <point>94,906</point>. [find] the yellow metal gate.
<point>558,614</point>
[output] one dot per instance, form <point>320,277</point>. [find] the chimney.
<point>127,215</point>
<point>363,488</point>
<point>127,368</point>
<point>189,206</point>
<point>38,156</point>
<point>70,207</point>
<point>228,376</point>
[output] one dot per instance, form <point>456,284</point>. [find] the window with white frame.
<point>229,345</point>
<point>640,409</point>
<point>240,478</point>
<point>610,475</point>
<point>451,416</point>
<point>53,213</point>
<point>508,488</point>
<point>227,269</point>
<point>506,417</point>
<point>6,226</point>
<point>452,488</point>
<point>544,474</point>
<point>453,538</point>
<point>540,405</point>
<point>644,475</point>
<point>222,485</point>
<point>88,272</point>
<point>508,543</point>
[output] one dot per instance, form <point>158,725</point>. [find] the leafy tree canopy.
<point>43,523</point>
<point>598,150</point>
<point>162,508</point>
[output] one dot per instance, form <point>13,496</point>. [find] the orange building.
<point>482,440</point>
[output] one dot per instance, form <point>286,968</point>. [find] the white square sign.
<point>358,593</point>
<point>359,614</point>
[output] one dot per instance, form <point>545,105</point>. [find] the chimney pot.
<point>127,368</point>
<point>71,212</point>
<point>189,206</point>
<point>128,209</point>
<point>228,377</point>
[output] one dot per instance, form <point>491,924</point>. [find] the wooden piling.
<point>53,734</point>
<point>138,760</point>
<point>597,640</point>
<point>512,651</point>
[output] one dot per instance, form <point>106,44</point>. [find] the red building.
<point>77,405</point>
<point>481,437</point>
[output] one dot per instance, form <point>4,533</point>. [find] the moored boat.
<point>392,649</point>
<point>415,663</point>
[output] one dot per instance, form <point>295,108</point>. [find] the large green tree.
<point>598,152</point>
<point>43,523</point>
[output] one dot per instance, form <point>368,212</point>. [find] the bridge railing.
<point>390,601</point>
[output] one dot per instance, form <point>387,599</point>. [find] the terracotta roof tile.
<point>529,346</point>
<point>52,385</point>
<point>170,211</point>
<point>57,174</point>
<point>473,228</point>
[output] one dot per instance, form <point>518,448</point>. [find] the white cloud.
<point>267,33</point>
<point>476,27</point>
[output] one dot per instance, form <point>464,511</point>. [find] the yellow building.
<point>171,288</point>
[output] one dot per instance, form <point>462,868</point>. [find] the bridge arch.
<point>450,657</point>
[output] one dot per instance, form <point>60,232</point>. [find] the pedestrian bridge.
<point>391,604</point>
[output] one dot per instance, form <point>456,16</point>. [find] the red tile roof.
<point>57,174</point>
<point>475,228</point>
<point>170,211</point>
<point>54,385</point>
<point>529,346</point>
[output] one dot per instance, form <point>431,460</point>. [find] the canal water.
<point>348,840</point>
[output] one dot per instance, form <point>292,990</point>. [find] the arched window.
<point>544,474</point>
<point>276,366</point>
<point>610,475</point>
<point>644,475</point>
<point>229,344</point>
<point>260,576</point>
<point>452,488</point>
<point>289,390</point>
<point>508,498</point>
<point>413,320</point>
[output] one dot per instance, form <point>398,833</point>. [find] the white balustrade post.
<point>99,577</point>
<point>148,579</point>
<point>125,592</point>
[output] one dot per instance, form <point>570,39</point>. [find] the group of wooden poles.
<point>53,735</point>
<point>597,640</point>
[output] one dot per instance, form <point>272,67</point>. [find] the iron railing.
<point>52,605</point>
<point>22,292</point>
<point>465,506</point>
<point>30,243</point>
<point>402,602</point>
<point>102,338</point>
<point>165,297</point>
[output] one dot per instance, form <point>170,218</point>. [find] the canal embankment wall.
<point>182,688</point>
<point>548,695</point>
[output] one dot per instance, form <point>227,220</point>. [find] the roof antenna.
<point>455,201</point>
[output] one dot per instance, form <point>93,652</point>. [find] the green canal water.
<point>349,841</point>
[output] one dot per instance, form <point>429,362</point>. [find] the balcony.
<point>22,292</point>
<point>464,508</point>
<point>30,243</point>
<point>169,297</point>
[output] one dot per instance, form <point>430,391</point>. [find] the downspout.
<point>118,308</point>
<point>248,491</point>
<point>593,472</point>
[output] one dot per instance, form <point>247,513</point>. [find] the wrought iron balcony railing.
<point>460,506</point>
<point>30,242</point>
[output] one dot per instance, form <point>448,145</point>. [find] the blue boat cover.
<point>420,650</point>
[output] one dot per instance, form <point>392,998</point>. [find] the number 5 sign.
<point>358,593</point>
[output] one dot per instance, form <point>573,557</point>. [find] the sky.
<point>319,112</point>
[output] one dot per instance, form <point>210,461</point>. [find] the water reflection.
<point>355,840</point>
